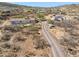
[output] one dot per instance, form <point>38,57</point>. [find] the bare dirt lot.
<point>23,42</point>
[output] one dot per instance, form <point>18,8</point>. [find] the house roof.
<point>14,22</point>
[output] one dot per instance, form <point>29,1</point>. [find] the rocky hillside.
<point>72,9</point>
<point>10,6</point>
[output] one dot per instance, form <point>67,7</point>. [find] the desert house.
<point>56,17</point>
<point>21,21</point>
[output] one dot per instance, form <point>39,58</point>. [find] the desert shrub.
<point>16,48</point>
<point>11,55</point>
<point>76,18</point>
<point>64,13</point>
<point>30,54</point>
<point>6,46</point>
<point>35,37</point>
<point>41,44</point>
<point>18,16</point>
<point>45,55</point>
<point>40,16</point>
<point>69,42</point>
<point>13,28</point>
<point>72,43</point>
<point>74,32</point>
<point>6,37</point>
<point>20,39</point>
<point>27,56</point>
<point>1,50</point>
<point>72,51</point>
<point>34,28</point>
<point>63,42</point>
<point>1,55</point>
<point>50,21</point>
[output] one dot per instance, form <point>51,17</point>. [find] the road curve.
<point>56,50</point>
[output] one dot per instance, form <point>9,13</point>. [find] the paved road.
<point>56,50</point>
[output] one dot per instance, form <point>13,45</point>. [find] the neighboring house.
<point>59,18</point>
<point>54,17</point>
